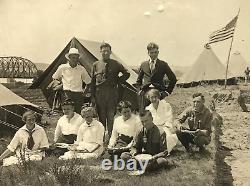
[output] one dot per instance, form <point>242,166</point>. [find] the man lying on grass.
<point>89,143</point>
<point>151,141</point>
<point>29,142</point>
<point>199,120</point>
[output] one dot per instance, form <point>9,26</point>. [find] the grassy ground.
<point>184,169</point>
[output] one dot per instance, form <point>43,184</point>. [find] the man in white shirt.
<point>89,143</point>
<point>29,141</point>
<point>68,125</point>
<point>73,77</point>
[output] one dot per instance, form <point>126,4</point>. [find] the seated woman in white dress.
<point>68,125</point>
<point>162,116</point>
<point>29,142</point>
<point>89,143</point>
<point>125,128</point>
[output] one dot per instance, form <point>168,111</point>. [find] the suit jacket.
<point>145,77</point>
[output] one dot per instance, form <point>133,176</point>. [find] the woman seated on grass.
<point>125,129</point>
<point>68,125</point>
<point>29,142</point>
<point>89,143</point>
<point>162,116</point>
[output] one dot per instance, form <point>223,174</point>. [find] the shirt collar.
<point>89,125</point>
<point>72,67</point>
<point>75,115</point>
<point>154,61</point>
<point>35,128</point>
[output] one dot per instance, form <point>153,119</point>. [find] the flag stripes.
<point>224,33</point>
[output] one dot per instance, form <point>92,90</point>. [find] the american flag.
<point>224,33</point>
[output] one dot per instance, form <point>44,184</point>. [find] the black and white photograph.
<point>115,92</point>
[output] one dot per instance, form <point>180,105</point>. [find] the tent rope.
<point>29,109</point>
<point>9,125</point>
<point>11,112</point>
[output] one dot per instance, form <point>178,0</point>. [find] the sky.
<point>39,29</point>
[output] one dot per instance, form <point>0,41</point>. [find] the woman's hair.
<point>123,104</point>
<point>68,102</point>
<point>153,92</point>
<point>28,113</point>
<point>86,109</point>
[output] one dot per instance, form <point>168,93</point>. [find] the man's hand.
<point>133,152</point>
<point>201,132</point>
<point>93,101</point>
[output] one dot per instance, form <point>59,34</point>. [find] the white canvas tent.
<point>237,65</point>
<point>206,68</point>
<point>12,108</point>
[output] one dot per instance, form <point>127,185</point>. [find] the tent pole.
<point>228,57</point>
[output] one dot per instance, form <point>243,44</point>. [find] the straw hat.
<point>72,51</point>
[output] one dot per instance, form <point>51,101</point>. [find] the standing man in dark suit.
<point>105,80</point>
<point>152,73</point>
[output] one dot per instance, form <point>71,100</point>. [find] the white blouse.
<point>65,126</point>
<point>130,127</point>
<point>162,116</point>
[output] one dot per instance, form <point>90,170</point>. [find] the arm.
<point>137,145</point>
<point>58,74</point>
<point>168,114</point>
<point>125,74</point>
<point>99,139</point>
<point>58,132</point>
<point>79,135</point>
<point>114,135</point>
<point>93,82</point>
<point>208,122</point>
<point>5,154</point>
<point>44,143</point>
<point>172,79</point>
<point>140,77</point>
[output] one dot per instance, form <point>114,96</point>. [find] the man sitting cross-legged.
<point>29,142</point>
<point>89,143</point>
<point>199,120</point>
<point>151,141</point>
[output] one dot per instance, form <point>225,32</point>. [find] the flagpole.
<point>229,53</point>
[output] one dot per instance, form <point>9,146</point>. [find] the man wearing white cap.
<point>73,77</point>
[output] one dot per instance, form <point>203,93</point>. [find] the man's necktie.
<point>30,142</point>
<point>152,66</point>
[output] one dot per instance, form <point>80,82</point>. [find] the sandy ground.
<point>236,138</point>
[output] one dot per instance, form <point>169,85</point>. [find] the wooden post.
<point>228,57</point>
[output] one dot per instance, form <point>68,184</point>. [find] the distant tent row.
<point>208,69</point>
<point>237,65</point>
<point>89,53</point>
<point>12,108</point>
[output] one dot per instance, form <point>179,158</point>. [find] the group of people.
<point>153,131</point>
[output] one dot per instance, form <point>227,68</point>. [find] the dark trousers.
<point>56,151</point>
<point>106,104</point>
<point>78,98</point>
<point>187,138</point>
